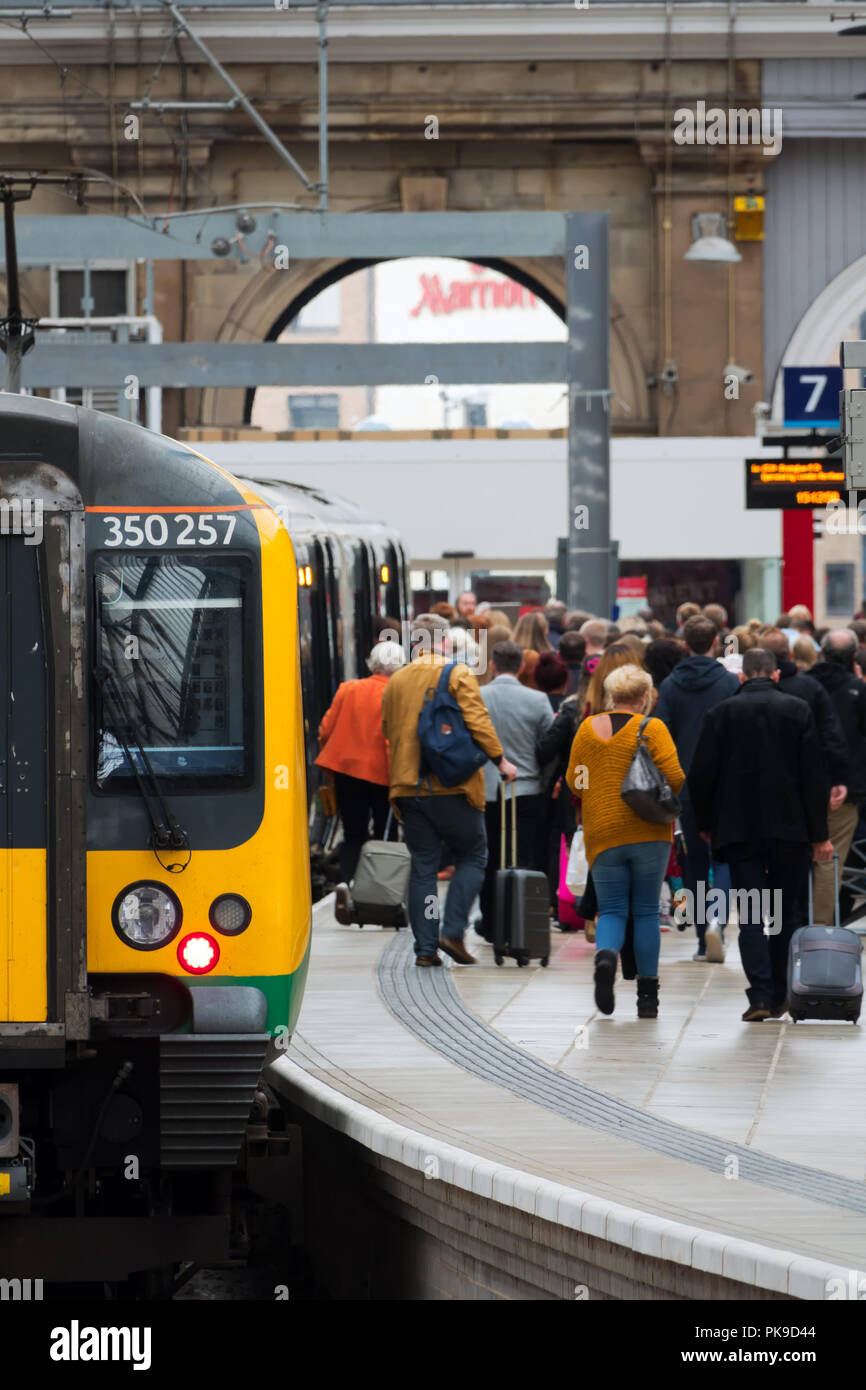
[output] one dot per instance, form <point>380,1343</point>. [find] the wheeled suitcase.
<point>380,888</point>
<point>521,903</point>
<point>824,975</point>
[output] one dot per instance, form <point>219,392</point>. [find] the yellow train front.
<point>154,891</point>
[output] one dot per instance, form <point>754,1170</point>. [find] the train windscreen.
<point>170,658</point>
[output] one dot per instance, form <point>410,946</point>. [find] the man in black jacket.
<point>834,747</point>
<point>757,787</point>
<point>695,685</point>
<point>835,673</point>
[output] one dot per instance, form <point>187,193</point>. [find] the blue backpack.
<point>448,750</point>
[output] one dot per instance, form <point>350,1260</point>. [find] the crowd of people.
<point>757,732</point>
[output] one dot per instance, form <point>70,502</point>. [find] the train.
<point>167,649</point>
<point>351,569</point>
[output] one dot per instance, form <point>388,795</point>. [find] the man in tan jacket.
<point>434,815</point>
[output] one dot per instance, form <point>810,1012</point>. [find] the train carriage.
<point>155,898</point>
<point>350,569</point>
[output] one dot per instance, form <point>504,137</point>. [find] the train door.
<point>23,787</point>
<point>389,576</point>
<point>43,753</point>
<point>363,564</point>
<point>404,582</point>
<point>333,633</point>
<point>312,673</point>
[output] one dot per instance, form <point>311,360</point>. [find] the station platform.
<point>688,1157</point>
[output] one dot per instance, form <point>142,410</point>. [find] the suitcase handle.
<point>811,876</point>
<point>502,800</point>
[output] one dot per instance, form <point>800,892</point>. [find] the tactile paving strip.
<point>428,1004</point>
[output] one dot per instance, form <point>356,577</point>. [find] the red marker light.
<point>198,954</point>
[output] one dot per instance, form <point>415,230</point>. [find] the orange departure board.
<point>792,484</point>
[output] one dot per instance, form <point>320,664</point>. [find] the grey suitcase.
<point>521,903</point>
<point>380,888</point>
<point>824,975</point>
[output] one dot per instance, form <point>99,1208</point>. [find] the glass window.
<point>314,412</point>
<point>322,314</point>
<point>107,289</point>
<point>839,580</point>
<point>170,644</point>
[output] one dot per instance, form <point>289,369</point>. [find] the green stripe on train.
<point>284,993</point>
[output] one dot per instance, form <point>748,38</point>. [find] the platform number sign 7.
<point>812,397</point>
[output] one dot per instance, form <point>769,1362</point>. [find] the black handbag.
<point>645,789</point>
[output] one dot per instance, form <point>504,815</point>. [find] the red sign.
<point>480,293</point>
<point>633,586</point>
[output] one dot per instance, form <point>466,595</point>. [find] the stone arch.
<point>821,328</point>
<point>271,298</point>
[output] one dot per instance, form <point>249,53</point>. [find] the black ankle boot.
<point>605,974</point>
<point>647,996</point>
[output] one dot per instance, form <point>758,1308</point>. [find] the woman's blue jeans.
<point>629,879</point>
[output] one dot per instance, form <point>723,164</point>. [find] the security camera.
<point>762,410</point>
<point>742,374</point>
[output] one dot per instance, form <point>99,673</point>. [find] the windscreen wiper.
<point>166,833</point>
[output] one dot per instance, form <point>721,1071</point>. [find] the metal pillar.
<point>13,327</point>
<point>16,331</point>
<point>587,352</point>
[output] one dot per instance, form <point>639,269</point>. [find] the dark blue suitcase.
<point>521,904</point>
<point>825,980</point>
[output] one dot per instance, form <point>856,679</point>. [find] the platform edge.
<point>762,1266</point>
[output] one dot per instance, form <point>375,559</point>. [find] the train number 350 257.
<point>179,528</point>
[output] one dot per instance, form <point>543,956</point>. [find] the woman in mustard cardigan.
<point>627,854</point>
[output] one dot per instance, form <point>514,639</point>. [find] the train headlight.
<point>146,916</point>
<point>199,953</point>
<point>230,913</point>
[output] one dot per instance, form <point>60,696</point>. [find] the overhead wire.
<point>23,27</point>
<point>112,105</point>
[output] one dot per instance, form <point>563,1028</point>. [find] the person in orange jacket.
<point>354,749</point>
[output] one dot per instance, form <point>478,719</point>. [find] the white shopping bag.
<point>577,870</point>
